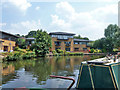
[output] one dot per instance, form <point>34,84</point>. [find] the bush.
<point>54,53</point>
<point>60,51</point>
<point>17,55</point>
<point>91,50</point>
<point>13,56</point>
<point>32,47</point>
<point>95,51</point>
<point>5,53</point>
<point>16,48</point>
<point>66,53</point>
<point>29,55</point>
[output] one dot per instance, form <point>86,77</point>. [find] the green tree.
<point>79,37</point>
<point>31,34</point>
<point>111,40</point>
<point>112,36</point>
<point>86,38</point>
<point>17,35</point>
<point>21,43</point>
<point>111,30</point>
<point>117,39</point>
<point>42,42</point>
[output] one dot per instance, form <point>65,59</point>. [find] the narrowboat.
<point>99,73</point>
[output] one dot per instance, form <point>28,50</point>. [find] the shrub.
<point>16,48</point>
<point>95,51</point>
<point>29,55</point>
<point>66,53</point>
<point>17,55</point>
<point>91,50</point>
<point>54,53</point>
<point>32,47</point>
<point>60,51</point>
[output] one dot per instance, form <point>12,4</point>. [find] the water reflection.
<point>35,73</point>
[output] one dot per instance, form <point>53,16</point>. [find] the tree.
<point>42,42</point>
<point>79,37</point>
<point>86,38</point>
<point>117,39</point>
<point>31,34</point>
<point>21,43</point>
<point>111,40</point>
<point>111,30</point>
<point>17,35</point>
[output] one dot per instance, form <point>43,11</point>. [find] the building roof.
<point>60,33</point>
<point>2,32</point>
<point>30,38</point>
<point>81,40</point>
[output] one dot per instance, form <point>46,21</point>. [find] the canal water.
<point>35,73</point>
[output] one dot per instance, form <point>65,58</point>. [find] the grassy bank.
<point>60,52</point>
<point>18,54</point>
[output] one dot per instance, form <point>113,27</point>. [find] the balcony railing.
<point>57,44</point>
<point>67,44</point>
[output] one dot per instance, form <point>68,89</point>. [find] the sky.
<point>89,18</point>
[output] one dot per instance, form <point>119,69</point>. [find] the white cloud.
<point>88,24</point>
<point>2,24</point>
<point>22,4</point>
<point>37,8</point>
<point>24,27</point>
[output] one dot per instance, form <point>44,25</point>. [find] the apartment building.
<point>7,41</point>
<point>65,41</point>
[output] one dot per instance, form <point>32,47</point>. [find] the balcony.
<point>67,44</point>
<point>57,44</point>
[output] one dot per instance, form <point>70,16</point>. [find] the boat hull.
<point>99,76</point>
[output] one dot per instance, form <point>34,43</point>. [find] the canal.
<point>35,73</point>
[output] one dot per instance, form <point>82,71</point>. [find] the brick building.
<point>65,41</point>
<point>7,41</point>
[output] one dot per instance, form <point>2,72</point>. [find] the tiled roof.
<point>82,40</point>
<point>60,33</point>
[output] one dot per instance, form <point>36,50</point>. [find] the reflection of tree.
<point>61,66</point>
<point>9,77</point>
<point>41,69</point>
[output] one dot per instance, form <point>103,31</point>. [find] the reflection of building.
<point>7,41</point>
<point>8,70</point>
<point>65,41</point>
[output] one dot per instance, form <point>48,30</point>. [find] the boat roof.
<point>102,61</point>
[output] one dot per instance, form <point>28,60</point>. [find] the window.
<point>83,43</point>
<point>67,43</point>
<point>57,43</point>
<point>13,48</point>
<point>57,48</point>
<point>5,48</point>
<point>76,49</point>
<point>33,42</point>
<point>67,49</point>
<point>84,49</point>
<point>76,42</point>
